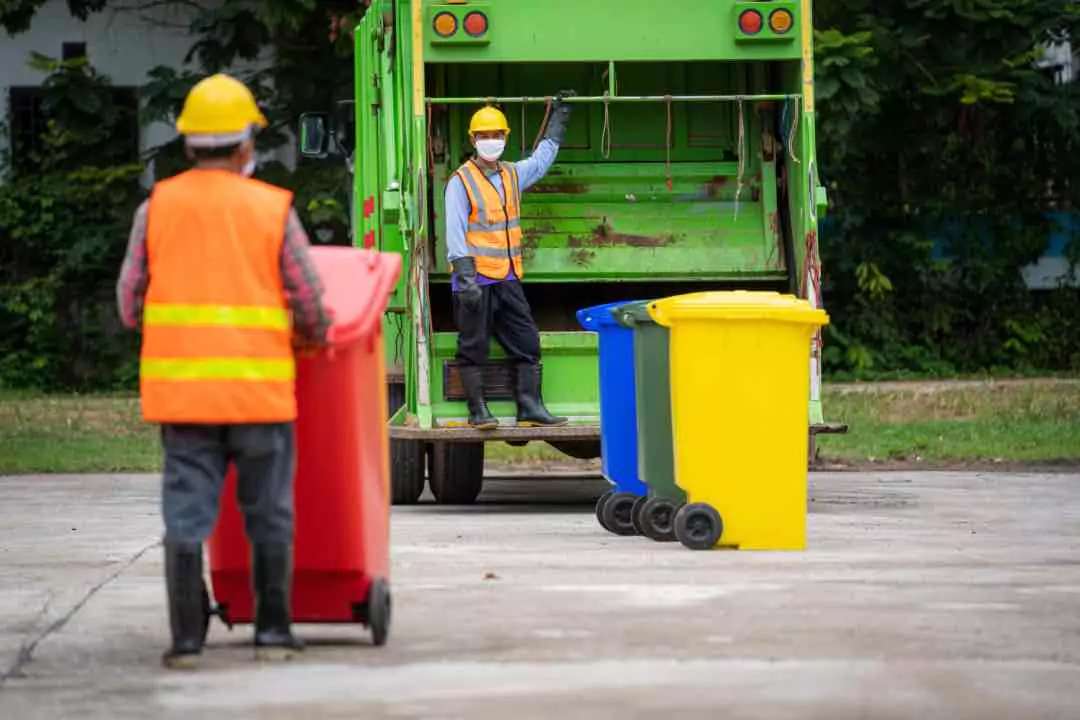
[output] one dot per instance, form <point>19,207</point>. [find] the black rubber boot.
<point>187,617</point>
<point>530,404</point>
<point>273,576</point>
<point>472,376</point>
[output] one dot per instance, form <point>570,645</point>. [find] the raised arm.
<point>533,168</point>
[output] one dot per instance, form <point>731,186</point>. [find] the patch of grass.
<point>1013,422</point>
<point>75,433</point>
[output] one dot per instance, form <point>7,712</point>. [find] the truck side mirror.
<point>314,135</point>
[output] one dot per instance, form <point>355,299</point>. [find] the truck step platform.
<point>511,433</point>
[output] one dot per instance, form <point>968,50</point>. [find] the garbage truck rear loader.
<point>689,164</point>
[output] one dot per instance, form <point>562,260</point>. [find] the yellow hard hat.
<point>488,119</point>
<point>219,105</point>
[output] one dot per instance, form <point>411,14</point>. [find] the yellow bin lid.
<point>737,305</point>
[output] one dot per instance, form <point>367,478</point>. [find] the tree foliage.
<point>945,146</point>
<point>16,15</point>
<point>943,142</point>
<point>63,222</point>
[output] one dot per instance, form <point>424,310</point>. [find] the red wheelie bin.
<point>341,567</point>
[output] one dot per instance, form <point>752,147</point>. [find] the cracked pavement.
<point>921,595</point>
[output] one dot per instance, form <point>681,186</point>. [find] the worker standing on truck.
<point>215,263</point>
<point>483,233</point>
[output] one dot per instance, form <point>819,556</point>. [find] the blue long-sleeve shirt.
<point>529,171</point>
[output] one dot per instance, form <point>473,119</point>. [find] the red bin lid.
<point>357,285</point>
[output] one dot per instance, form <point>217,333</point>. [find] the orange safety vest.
<point>216,328</point>
<point>494,232</point>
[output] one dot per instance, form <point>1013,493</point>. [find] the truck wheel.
<point>457,473</point>
<point>407,471</point>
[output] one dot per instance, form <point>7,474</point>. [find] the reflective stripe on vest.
<point>244,369</point>
<point>494,252</point>
<point>250,316</point>
<point>216,328</point>
<point>493,233</point>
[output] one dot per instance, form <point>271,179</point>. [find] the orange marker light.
<point>476,24</point>
<point>445,24</point>
<point>780,21</point>
<point>750,22</point>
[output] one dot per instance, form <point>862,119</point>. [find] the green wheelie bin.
<point>655,516</point>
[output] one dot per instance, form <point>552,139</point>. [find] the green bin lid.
<point>737,305</point>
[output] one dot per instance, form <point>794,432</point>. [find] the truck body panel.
<point>689,164</point>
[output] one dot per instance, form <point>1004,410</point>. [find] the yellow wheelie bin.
<point>740,395</point>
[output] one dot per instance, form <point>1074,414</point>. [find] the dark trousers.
<point>505,313</point>
<point>196,460</point>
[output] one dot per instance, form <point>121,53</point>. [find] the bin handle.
<point>587,321</point>
<point>658,314</point>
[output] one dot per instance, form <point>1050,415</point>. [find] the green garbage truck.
<point>688,165</point>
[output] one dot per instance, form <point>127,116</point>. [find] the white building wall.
<point>1061,57</point>
<point>121,43</point>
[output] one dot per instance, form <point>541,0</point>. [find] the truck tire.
<point>406,471</point>
<point>407,466</point>
<point>457,473</point>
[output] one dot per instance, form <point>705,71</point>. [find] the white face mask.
<point>249,168</point>
<point>490,150</point>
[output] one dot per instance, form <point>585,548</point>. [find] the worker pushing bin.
<point>740,383</point>
<point>342,489</point>
<point>618,420</point>
<point>656,454</point>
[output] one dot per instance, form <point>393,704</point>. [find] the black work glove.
<point>468,292</point>
<point>560,116</point>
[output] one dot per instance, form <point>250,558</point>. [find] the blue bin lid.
<point>597,316</point>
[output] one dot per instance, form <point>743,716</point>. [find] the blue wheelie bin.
<point>618,419</point>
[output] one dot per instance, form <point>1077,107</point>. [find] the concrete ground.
<point>944,595</point>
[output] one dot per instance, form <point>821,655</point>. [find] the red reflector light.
<point>750,22</point>
<point>476,23</point>
<point>445,24</point>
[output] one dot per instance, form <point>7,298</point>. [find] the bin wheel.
<point>600,503</point>
<point>618,513</point>
<point>457,472</point>
<point>635,514</point>
<point>698,526</point>
<point>658,519</point>
<point>378,611</point>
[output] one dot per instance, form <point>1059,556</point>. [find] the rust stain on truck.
<point>603,235</point>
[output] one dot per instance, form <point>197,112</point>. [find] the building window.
<point>126,134</point>
<point>72,50</point>
<point>28,125</point>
